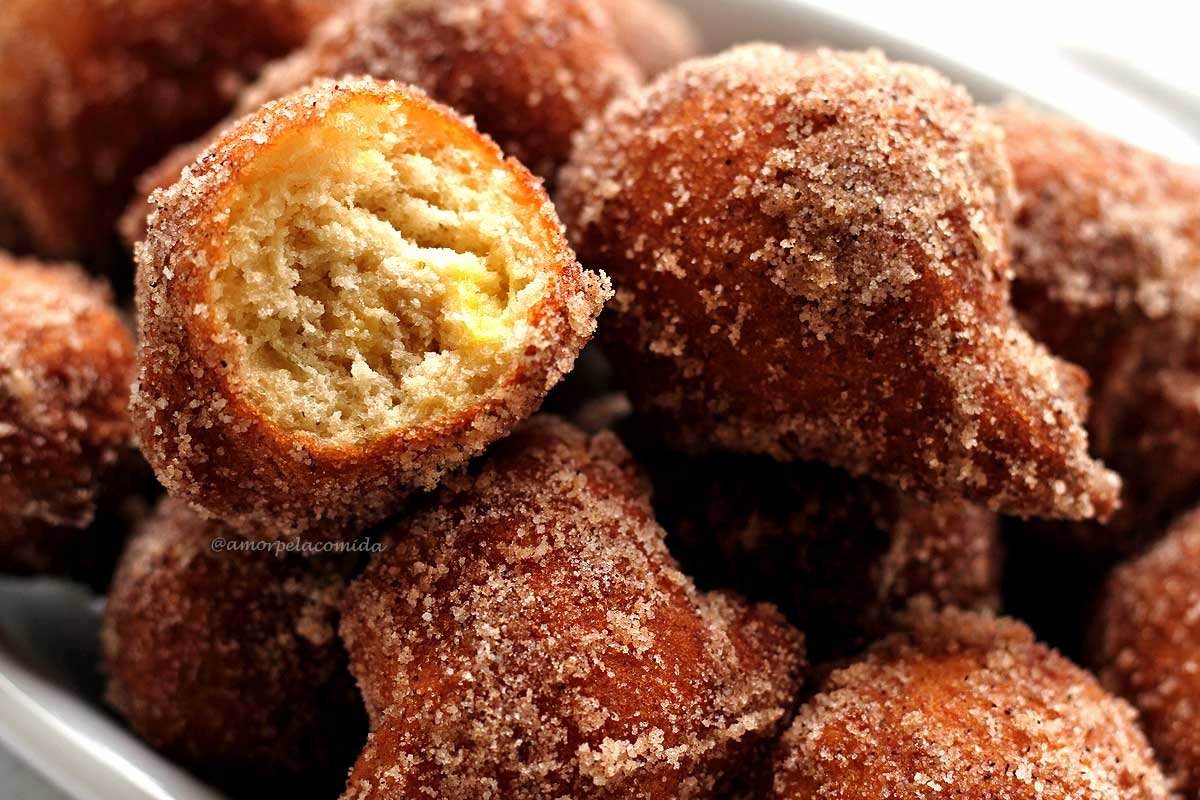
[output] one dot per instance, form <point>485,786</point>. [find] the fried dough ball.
<point>1147,646</point>
<point>839,555</point>
<point>66,365</point>
<point>93,92</point>
<point>134,219</point>
<point>1107,265</point>
<point>969,707</point>
<point>351,292</point>
<point>88,555</point>
<point>810,255</point>
<point>656,35</point>
<point>227,660</point>
<point>528,636</point>
<point>529,72</point>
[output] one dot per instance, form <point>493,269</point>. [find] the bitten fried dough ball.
<point>1107,274</point>
<point>349,293</point>
<point>66,365</point>
<point>1147,646</point>
<point>229,660</point>
<point>839,555</point>
<point>93,92</point>
<point>969,707</point>
<point>656,34</point>
<point>529,636</point>
<point>810,255</point>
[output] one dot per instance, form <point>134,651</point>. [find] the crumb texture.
<point>377,278</point>
<point>965,706</point>
<point>1147,646</point>
<point>349,293</point>
<point>527,635</point>
<point>832,230</point>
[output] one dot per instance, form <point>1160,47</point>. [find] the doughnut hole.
<point>376,278</point>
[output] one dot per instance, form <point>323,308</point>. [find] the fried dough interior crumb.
<point>380,277</point>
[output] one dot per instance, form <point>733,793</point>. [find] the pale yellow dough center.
<point>378,279</point>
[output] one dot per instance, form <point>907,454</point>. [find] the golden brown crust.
<point>229,661</point>
<point>1108,236</point>
<point>527,636</point>
<point>810,254</point>
<point>93,92</point>
<point>1107,274</point>
<point>656,35</point>
<point>1147,646</point>
<point>969,707</point>
<point>133,220</point>
<point>840,556</point>
<point>66,365</point>
<point>212,447</point>
<point>528,72</point>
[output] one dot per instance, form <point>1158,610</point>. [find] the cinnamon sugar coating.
<point>1107,274</point>
<point>839,555</point>
<point>810,252</point>
<point>229,661</point>
<point>527,635</point>
<point>132,223</point>
<point>1147,646</point>
<point>528,72</point>
<point>66,365</point>
<point>970,707</point>
<point>656,35</point>
<point>280,354</point>
<point>94,91</point>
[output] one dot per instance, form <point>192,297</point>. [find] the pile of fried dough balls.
<point>860,338</point>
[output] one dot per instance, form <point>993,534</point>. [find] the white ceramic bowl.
<point>51,710</point>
